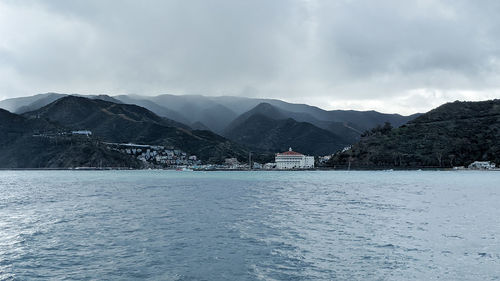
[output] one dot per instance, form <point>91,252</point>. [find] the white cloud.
<point>393,56</point>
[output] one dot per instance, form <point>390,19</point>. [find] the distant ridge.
<point>25,104</point>
<point>332,130</point>
<point>266,128</point>
<point>154,107</point>
<point>355,121</point>
<point>216,113</point>
<point>265,109</point>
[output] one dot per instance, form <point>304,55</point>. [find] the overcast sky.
<point>388,55</point>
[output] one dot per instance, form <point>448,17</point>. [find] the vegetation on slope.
<point>454,134</point>
<point>124,123</point>
<point>35,143</point>
<point>265,129</point>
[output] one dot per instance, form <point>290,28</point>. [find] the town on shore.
<point>161,157</point>
<point>229,133</point>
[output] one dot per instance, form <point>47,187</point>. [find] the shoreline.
<point>238,170</point>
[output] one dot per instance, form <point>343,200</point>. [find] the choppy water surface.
<point>160,225</point>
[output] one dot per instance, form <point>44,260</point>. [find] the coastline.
<point>241,170</point>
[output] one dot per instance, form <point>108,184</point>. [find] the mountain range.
<point>123,123</point>
<point>42,138</point>
<point>215,128</point>
<point>33,131</point>
<point>318,130</point>
<point>217,112</point>
<point>270,129</point>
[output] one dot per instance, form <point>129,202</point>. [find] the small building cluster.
<point>291,160</point>
<point>82,133</point>
<point>79,133</point>
<point>482,165</point>
<point>234,164</point>
<point>324,159</point>
<point>156,154</point>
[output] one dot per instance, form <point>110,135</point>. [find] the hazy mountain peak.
<point>274,135</point>
<point>267,109</point>
<point>263,109</point>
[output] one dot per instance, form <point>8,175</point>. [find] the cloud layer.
<point>389,55</point>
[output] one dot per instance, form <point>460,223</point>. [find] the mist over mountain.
<point>122,123</point>
<point>263,125</point>
<point>154,107</point>
<point>264,109</point>
<point>24,104</point>
<point>216,113</point>
<point>220,114</point>
<point>266,128</point>
<point>199,108</point>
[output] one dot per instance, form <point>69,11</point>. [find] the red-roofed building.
<point>293,160</point>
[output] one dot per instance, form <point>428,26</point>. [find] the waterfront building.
<point>293,160</point>
<point>482,165</point>
<point>269,166</point>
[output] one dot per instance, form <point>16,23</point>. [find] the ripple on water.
<point>249,226</point>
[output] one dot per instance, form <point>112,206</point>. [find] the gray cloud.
<point>388,55</point>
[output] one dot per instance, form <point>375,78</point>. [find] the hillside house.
<point>482,165</point>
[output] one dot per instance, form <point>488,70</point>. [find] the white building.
<point>293,160</point>
<point>82,132</point>
<point>486,165</point>
<point>269,166</point>
<point>324,159</point>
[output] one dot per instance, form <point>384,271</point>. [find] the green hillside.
<point>454,134</point>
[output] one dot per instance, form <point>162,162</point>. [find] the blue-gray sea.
<point>314,225</point>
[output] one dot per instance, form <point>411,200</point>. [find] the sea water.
<point>311,225</point>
